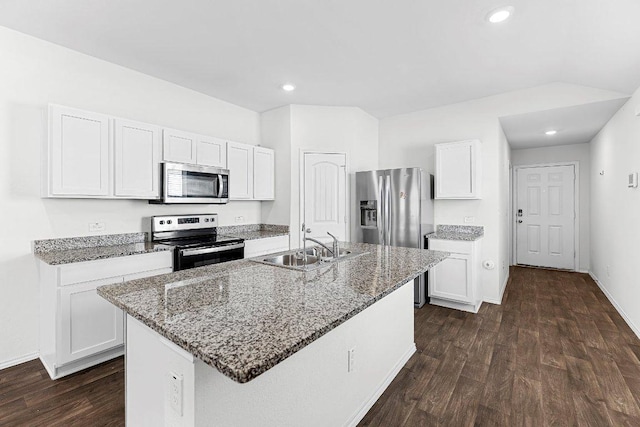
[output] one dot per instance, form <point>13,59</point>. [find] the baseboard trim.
<point>18,360</point>
<point>617,306</point>
<point>382,387</point>
<point>502,289</point>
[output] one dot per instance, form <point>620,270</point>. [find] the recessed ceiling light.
<point>551,132</point>
<point>500,15</point>
<point>288,87</point>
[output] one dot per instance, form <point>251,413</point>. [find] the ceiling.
<point>574,125</point>
<point>385,57</point>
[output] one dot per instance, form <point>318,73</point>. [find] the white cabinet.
<point>178,146</point>
<point>269,245</point>
<point>251,172</point>
<point>458,170</point>
<point>455,282</point>
<point>240,165</point>
<point>263,174</point>
<point>77,155</point>
<point>137,160</point>
<point>79,328</point>
<point>211,151</point>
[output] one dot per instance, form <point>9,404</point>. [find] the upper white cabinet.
<point>263,173</point>
<point>77,157</point>
<point>137,159</point>
<point>179,146</point>
<point>240,165</point>
<point>251,172</point>
<point>458,170</point>
<point>211,151</point>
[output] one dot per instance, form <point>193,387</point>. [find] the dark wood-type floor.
<point>555,353</point>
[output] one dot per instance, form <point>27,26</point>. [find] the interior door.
<point>545,216</point>
<point>325,195</point>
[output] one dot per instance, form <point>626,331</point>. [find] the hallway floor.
<point>555,352</point>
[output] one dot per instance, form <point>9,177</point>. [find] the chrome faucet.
<point>336,246</point>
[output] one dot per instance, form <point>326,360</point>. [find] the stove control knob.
<point>206,220</point>
<point>161,222</point>
<point>168,221</point>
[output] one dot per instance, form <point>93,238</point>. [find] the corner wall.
<point>35,73</point>
<point>567,153</point>
<point>615,210</point>
<point>407,141</point>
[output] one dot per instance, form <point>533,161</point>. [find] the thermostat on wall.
<point>633,180</point>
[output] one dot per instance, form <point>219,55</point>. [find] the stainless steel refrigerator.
<point>395,208</point>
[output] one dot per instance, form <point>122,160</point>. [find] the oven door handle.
<point>190,252</point>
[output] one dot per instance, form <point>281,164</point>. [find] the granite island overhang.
<point>253,323</point>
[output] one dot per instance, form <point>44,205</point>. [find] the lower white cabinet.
<point>269,245</point>
<point>79,328</point>
<point>455,282</point>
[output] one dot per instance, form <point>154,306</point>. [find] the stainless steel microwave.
<point>183,183</point>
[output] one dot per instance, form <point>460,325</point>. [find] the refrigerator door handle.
<point>387,203</point>
<point>381,222</point>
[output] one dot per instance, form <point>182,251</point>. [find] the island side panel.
<point>314,387</point>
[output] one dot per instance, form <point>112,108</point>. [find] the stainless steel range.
<point>196,240</point>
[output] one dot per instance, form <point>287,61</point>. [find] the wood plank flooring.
<point>555,352</point>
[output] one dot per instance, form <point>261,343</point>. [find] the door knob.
<point>519,221</point>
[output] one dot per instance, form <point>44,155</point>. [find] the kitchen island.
<point>244,343</point>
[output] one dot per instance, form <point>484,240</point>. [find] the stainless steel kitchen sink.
<point>316,257</point>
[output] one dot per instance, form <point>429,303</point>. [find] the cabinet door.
<point>452,279</point>
<point>240,165</point>
<point>211,152</point>
<point>263,174</point>
<point>79,153</point>
<point>178,146</point>
<point>88,323</point>
<point>458,170</point>
<point>137,160</point>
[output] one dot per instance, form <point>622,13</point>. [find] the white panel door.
<point>89,324</point>
<point>240,165</point>
<point>137,160</point>
<point>325,193</point>
<point>178,146</point>
<point>263,174</point>
<point>545,217</point>
<point>211,152</point>
<point>79,162</point>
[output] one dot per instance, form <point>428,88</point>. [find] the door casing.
<point>576,220</point>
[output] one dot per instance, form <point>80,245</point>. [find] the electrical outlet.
<point>352,360</point>
<point>96,226</point>
<point>239,219</point>
<point>175,392</point>
<point>469,219</point>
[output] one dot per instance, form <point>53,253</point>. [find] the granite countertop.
<point>467,233</point>
<point>91,248</point>
<point>253,231</point>
<point>244,317</point>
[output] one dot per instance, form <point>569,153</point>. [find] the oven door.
<point>194,184</point>
<point>197,257</point>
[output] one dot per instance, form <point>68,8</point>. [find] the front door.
<point>325,195</point>
<point>545,216</point>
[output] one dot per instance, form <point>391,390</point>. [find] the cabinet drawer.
<point>454,246</point>
<point>120,266</point>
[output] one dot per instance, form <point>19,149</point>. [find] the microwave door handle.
<point>191,252</point>
<point>220,185</point>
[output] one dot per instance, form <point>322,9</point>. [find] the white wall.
<point>615,210</point>
<point>567,153</point>
<point>407,140</point>
<point>504,209</point>
<point>316,128</point>
<point>34,73</point>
